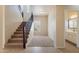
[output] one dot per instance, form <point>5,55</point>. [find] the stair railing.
<point>26,27</point>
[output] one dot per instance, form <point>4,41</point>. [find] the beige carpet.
<point>41,41</point>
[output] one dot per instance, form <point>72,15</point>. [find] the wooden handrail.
<point>26,29</point>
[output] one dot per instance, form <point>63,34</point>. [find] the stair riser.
<point>20,33</point>
<point>19,30</point>
<point>22,30</point>
<point>18,36</point>
<point>20,27</point>
<point>15,41</point>
<point>14,46</point>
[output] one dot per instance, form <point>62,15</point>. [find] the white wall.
<point>56,25</point>
<point>1,26</point>
<point>13,19</point>
<point>52,23</point>
<point>27,9</point>
<point>77,38</point>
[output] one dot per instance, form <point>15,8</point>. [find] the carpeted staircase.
<point>16,40</point>
<point>20,36</point>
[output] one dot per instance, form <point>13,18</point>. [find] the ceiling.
<point>40,9</point>
<point>44,9</point>
<point>72,7</point>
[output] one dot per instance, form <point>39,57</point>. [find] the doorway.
<point>71,19</point>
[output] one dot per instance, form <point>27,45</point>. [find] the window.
<point>36,25</point>
<point>73,23</point>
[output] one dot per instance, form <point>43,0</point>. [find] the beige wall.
<point>1,26</point>
<point>43,28</point>
<point>12,20</point>
<point>60,27</point>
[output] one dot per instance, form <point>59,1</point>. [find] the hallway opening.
<point>40,34</point>
<point>71,26</point>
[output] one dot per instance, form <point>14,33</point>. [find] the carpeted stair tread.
<point>18,36</point>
